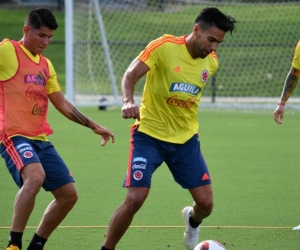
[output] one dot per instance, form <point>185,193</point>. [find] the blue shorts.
<point>19,151</point>
<point>185,161</point>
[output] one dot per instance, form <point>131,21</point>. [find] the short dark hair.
<point>212,16</point>
<point>41,17</point>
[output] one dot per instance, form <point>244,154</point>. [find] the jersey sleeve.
<point>214,63</point>
<point>3,55</point>
<point>9,61</point>
<point>154,53</point>
<point>296,58</point>
<point>52,83</point>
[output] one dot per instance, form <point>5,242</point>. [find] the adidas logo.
<point>205,177</point>
<point>177,69</point>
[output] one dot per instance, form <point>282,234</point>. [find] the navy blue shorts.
<point>185,161</point>
<point>19,151</point>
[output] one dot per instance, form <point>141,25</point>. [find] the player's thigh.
<point>57,172</point>
<point>188,165</point>
<point>66,192</point>
<point>203,195</point>
<point>19,153</point>
<point>145,157</point>
<point>33,173</point>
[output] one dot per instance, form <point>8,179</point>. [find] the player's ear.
<point>196,29</point>
<point>26,29</point>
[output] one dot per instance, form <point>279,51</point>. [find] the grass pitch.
<point>254,164</point>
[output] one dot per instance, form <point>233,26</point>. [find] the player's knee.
<point>73,197</point>
<point>33,184</point>
<point>205,206</point>
<point>134,202</point>
<point>67,200</point>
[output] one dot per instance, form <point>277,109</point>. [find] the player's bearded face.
<point>201,46</point>
<point>207,41</point>
<point>200,50</point>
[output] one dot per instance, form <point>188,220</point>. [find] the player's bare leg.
<point>65,199</point>
<point>203,202</point>
<point>124,214</point>
<point>33,177</point>
<point>193,216</point>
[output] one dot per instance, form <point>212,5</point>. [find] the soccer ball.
<point>209,245</point>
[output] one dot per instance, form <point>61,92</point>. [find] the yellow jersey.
<point>173,89</point>
<point>296,58</point>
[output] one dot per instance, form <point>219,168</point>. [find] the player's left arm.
<point>68,110</point>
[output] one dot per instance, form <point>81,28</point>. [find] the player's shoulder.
<point>6,42</point>
<point>46,59</point>
<point>49,63</point>
<point>213,55</point>
<point>6,46</point>
<point>213,60</point>
<point>167,38</point>
<point>298,46</point>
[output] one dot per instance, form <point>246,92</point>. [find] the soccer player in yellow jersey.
<point>166,128</point>
<point>27,81</point>
<point>290,84</point>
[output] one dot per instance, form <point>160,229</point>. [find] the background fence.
<point>253,62</point>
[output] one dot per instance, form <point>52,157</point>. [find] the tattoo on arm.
<point>79,118</point>
<point>289,86</point>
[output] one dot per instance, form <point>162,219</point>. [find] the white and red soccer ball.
<point>209,245</point>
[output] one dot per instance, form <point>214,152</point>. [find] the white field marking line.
<point>237,227</point>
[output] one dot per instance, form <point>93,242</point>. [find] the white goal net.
<point>104,36</point>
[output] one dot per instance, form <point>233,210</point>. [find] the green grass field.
<point>254,164</point>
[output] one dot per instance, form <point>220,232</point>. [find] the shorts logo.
<point>142,159</point>
<point>22,145</point>
<point>204,75</point>
<point>25,149</point>
<point>139,166</point>
<point>138,175</point>
<point>27,154</point>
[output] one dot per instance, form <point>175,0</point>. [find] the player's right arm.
<point>290,84</point>
<point>150,57</point>
<point>288,88</point>
<point>136,70</point>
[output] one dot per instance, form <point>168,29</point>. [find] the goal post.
<point>104,36</point>
<point>69,51</point>
<point>85,37</point>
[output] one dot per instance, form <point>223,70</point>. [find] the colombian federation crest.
<point>138,175</point>
<point>204,75</point>
<point>27,154</point>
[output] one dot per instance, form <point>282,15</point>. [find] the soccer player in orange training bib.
<point>166,127</point>
<point>288,88</point>
<point>27,81</point>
